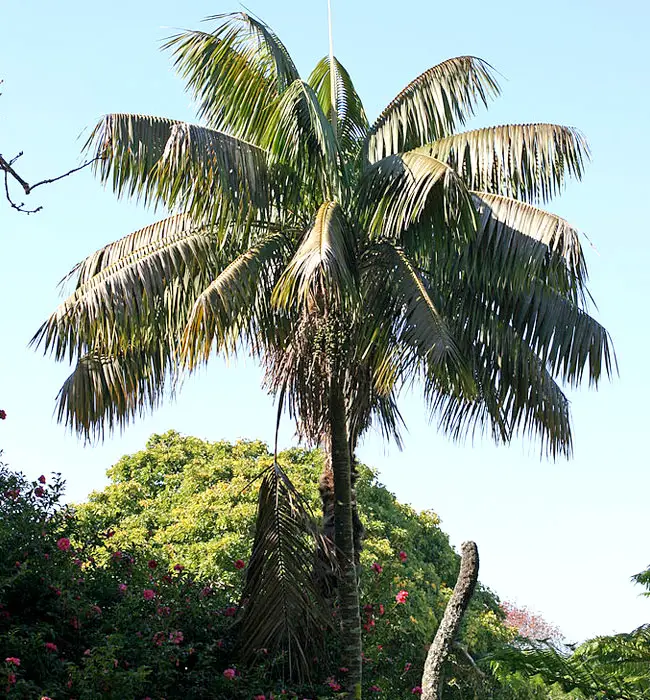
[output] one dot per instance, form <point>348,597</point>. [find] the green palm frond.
<point>404,312</point>
<point>515,394</point>
<point>324,266</point>
<point>431,106</point>
<point>415,191</point>
<point>236,304</point>
<point>282,609</point>
<point>526,241</point>
<point>352,123</point>
<point>523,161</point>
<point>129,147</point>
<point>105,392</point>
<point>207,173</point>
<point>147,278</point>
<point>299,135</point>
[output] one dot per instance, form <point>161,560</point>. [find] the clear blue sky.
<point>563,538</point>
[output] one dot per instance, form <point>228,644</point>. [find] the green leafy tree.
<point>351,258</point>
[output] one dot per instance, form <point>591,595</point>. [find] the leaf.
<point>352,123</point>
<point>431,106</point>
<point>282,609</point>
<point>523,161</point>
<point>324,265</point>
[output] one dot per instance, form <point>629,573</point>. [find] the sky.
<point>562,538</point>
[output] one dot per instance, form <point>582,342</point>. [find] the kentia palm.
<point>352,259</point>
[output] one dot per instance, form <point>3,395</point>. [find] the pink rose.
<point>403,556</point>
<point>51,647</point>
<point>148,594</point>
<point>401,597</point>
<point>13,660</point>
<point>229,673</point>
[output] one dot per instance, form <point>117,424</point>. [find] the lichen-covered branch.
<point>448,629</point>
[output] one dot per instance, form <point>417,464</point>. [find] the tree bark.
<point>448,629</point>
<point>348,589</point>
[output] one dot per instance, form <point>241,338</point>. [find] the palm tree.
<point>351,258</point>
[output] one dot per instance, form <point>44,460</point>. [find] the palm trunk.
<point>348,589</point>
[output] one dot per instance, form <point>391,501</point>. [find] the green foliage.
<point>183,500</point>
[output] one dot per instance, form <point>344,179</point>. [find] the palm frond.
<point>431,106</point>
<point>415,191</point>
<point>352,123</point>
<point>236,304</point>
<point>522,238</point>
<point>107,391</point>
<point>235,73</point>
<point>204,172</point>
<point>299,135</point>
<point>282,609</point>
<point>403,313</point>
<point>130,287</point>
<point>324,265</point>
<point>524,161</point>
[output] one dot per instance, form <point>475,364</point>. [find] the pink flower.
<point>148,594</point>
<point>51,647</point>
<point>117,555</point>
<point>403,556</point>
<point>401,597</point>
<point>41,479</point>
<point>159,638</point>
<point>152,563</point>
<point>344,669</point>
<point>229,673</point>
<point>11,678</point>
<point>382,610</point>
<point>333,684</point>
<point>375,689</point>
<point>122,587</point>
<point>13,660</point>
<point>259,697</point>
<point>230,612</point>
<point>377,568</point>
<point>39,492</point>
<point>417,690</point>
<point>178,567</point>
<point>3,414</point>
<point>407,667</point>
<point>176,637</point>
<point>46,697</point>
<point>240,564</point>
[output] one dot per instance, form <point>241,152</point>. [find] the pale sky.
<point>562,538</point>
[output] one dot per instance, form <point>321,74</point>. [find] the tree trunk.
<point>348,589</point>
<point>439,650</point>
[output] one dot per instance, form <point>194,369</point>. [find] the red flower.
<point>417,690</point>
<point>377,568</point>
<point>240,564</point>
<point>407,666</point>
<point>230,612</point>
<point>403,556</point>
<point>13,660</point>
<point>148,594</point>
<point>178,567</point>
<point>41,479</point>
<point>382,610</point>
<point>333,684</point>
<point>259,697</point>
<point>39,492</point>
<point>401,597</point>
<point>3,414</point>
<point>375,689</point>
<point>229,673</point>
<point>11,678</point>
<point>152,563</point>
<point>50,646</point>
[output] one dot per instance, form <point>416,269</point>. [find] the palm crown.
<point>425,241</point>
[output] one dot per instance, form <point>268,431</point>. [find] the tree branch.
<point>6,167</point>
<point>450,624</point>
